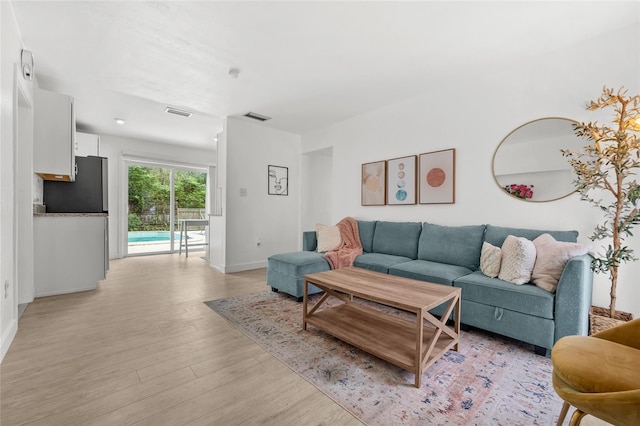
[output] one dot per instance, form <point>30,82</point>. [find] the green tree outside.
<point>150,195</point>
<point>190,189</point>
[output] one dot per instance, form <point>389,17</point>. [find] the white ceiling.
<point>305,64</point>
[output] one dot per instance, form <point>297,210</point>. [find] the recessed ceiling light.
<point>120,121</point>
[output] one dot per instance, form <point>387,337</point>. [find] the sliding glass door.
<point>159,198</point>
<point>190,191</point>
<point>149,202</point>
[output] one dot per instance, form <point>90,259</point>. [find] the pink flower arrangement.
<point>520,190</point>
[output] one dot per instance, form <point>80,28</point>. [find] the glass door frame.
<point>173,167</point>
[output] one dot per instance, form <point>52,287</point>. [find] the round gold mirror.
<point>528,164</point>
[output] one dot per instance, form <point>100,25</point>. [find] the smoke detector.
<point>234,72</point>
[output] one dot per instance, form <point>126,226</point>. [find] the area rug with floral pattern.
<point>492,380</point>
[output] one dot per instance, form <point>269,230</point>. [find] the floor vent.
<point>257,116</point>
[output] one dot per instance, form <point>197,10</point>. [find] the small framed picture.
<point>373,186</point>
<point>278,180</point>
<point>437,177</point>
<point>401,180</point>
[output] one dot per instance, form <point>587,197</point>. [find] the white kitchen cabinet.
<point>87,144</point>
<point>54,127</point>
<point>70,252</point>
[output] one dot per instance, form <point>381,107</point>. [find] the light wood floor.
<point>144,349</point>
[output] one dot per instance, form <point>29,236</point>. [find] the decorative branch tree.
<point>607,168</point>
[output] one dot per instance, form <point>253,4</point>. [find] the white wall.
<point>11,160</point>
<point>115,148</point>
<point>316,188</point>
<point>472,112</point>
<point>250,148</point>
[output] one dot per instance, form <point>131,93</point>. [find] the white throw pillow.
<point>490,258</point>
<point>552,257</point>
<point>518,259</point>
<point>328,237</point>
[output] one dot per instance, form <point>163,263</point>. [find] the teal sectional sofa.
<point>450,255</point>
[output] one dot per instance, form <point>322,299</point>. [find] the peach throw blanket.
<point>344,254</point>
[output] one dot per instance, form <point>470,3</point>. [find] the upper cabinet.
<point>54,136</point>
<point>87,144</point>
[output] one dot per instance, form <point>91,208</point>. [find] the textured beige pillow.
<point>552,257</point>
<point>490,258</point>
<point>518,259</point>
<point>328,237</point>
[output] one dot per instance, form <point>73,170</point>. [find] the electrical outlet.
<point>6,288</point>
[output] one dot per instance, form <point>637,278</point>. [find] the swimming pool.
<point>152,236</point>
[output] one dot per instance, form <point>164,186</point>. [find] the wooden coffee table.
<point>411,345</point>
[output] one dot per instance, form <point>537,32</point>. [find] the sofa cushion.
<point>425,270</point>
<point>454,245</point>
<point>497,234</point>
<point>298,263</point>
<point>378,262</point>
<point>527,298</point>
<point>397,238</point>
<point>366,230</point>
<point>518,258</point>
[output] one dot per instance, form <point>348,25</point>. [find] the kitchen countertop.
<point>72,214</point>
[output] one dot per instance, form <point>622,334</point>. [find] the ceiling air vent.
<point>257,116</point>
<point>178,112</point>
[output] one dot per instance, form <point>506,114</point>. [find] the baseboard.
<point>239,268</point>
<point>245,267</point>
<point>7,338</point>
<point>218,268</point>
<point>66,291</point>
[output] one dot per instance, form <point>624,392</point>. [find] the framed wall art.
<point>437,177</point>
<point>278,180</point>
<point>401,180</point>
<point>373,185</point>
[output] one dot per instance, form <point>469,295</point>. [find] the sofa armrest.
<point>573,298</point>
<point>309,241</point>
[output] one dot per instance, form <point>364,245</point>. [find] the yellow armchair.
<point>600,375</point>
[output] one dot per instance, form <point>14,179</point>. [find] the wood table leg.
<point>419,340</point>
<point>304,304</point>
<point>457,324</point>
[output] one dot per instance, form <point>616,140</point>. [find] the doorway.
<point>159,197</point>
